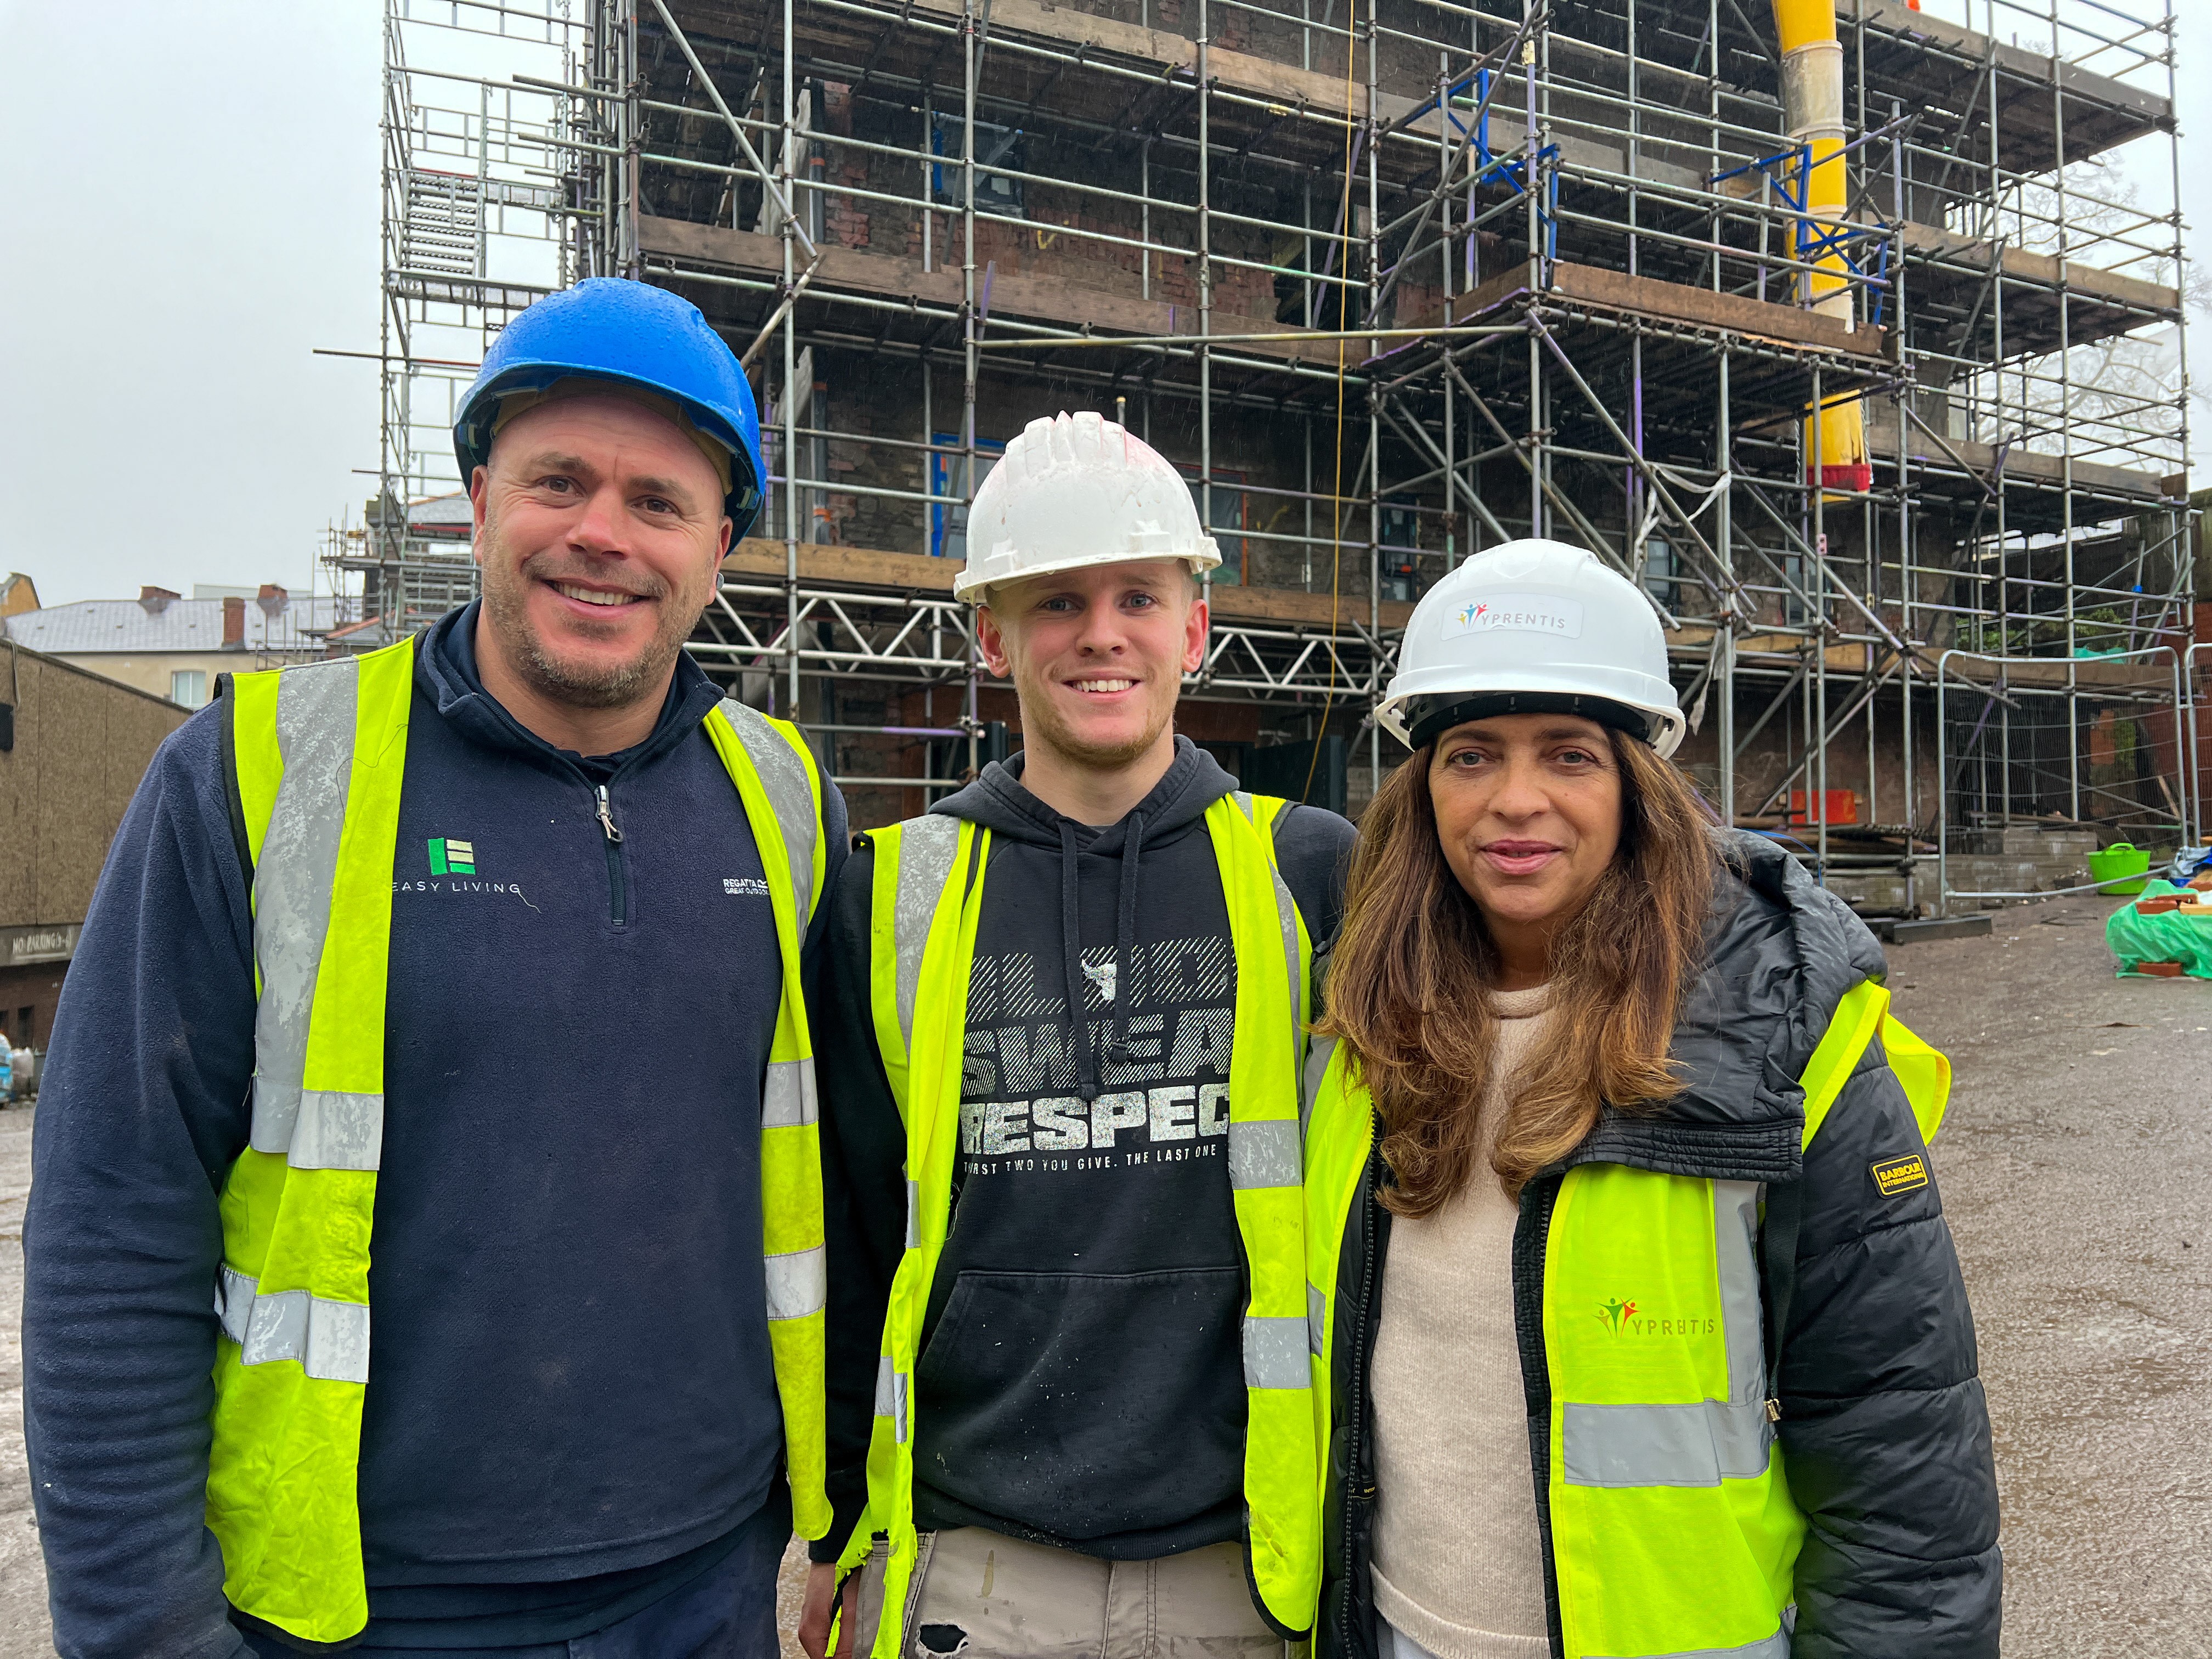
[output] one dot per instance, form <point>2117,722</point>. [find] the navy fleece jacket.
<point>570,1404</point>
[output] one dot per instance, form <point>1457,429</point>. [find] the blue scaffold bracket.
<point>1512,170</point>
<point>1870,265</point>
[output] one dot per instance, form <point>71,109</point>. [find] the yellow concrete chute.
<point>1813,112</point>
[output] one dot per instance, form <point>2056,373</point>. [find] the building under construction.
<point>1855,336</point>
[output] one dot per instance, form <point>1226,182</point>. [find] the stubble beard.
<point>614,686</point>
<point>1041,716</point>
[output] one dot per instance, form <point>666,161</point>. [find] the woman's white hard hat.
<point>1533,627</point>
<point>1077,491</point>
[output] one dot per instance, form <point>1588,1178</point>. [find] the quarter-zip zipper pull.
<point>607,817</point>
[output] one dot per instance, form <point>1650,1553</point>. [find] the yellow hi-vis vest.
<point>1673,1533</point>
<point>927,900</point>
<point>318,752</point>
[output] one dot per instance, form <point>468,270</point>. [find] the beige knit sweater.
<point>1458,1565</point>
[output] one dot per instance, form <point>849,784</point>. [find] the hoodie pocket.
<point>1086,1405</point>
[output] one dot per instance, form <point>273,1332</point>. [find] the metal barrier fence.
<point>2110,740</point>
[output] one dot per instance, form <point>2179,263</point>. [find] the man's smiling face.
<point>599,532</point>
<point>1098,655</point>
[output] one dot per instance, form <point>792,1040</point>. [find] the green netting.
<point>2172,937</point>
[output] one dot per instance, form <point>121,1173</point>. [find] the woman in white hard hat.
<point>1640,1328</point>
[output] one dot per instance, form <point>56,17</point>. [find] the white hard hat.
<point>1532,628</point>
<point>1078,490</point>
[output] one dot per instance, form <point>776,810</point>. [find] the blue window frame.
<point>948,526</point>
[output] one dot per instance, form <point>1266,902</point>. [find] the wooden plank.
<point>1647,296</point>
<point>1237,71</point>
<point>2021,466</point>
<point>759,558</point>
<point>2088,282</point>
<point>855,567</point>
<point>1288,604</point>
<point>2058,674</point>
<point>1035,299</point>
<point>1702,307</point>
<point>1904,18</point>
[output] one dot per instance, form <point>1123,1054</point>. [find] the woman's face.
<point>1529,810</point>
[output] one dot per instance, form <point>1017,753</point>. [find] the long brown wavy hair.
<point>1413,964</point>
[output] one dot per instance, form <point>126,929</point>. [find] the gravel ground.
<point>23,1630</point>
<point>2076,1169</point>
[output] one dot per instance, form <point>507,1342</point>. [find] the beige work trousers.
<point>980,1596</point>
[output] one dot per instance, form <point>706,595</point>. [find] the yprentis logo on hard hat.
<point>1516,613</point>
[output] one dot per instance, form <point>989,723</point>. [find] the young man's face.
<point>599,531</point>
<point>1097,656</point>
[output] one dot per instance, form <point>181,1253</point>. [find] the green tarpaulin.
<point>2170,937</point>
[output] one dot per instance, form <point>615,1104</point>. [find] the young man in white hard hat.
<point>1062,1036</point>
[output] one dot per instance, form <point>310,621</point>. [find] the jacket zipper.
<point>618,896</point>
<point>1546,1200</point>
<point>1353,1492</point>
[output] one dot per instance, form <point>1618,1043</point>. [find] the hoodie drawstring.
<point>1125,937</point>
<point>1071,948</point>
<point>1125,952</point>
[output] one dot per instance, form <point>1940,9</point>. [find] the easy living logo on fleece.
<point>451,857</point>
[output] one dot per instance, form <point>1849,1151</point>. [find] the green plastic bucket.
<point>2118,862</point>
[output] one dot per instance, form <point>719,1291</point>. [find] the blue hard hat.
<point>610,329</point>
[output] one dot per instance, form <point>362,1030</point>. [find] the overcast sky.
<point>191,203</point>
<point>191,199</point>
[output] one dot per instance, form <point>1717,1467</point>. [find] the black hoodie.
<point>1080,1383</point>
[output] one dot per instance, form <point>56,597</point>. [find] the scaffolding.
<point>1393,282</point>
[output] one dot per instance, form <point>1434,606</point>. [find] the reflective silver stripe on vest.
<point>1695,1445</point>
<point>1275,1353</point>
<point>1735,1247</point>
<point>927,846</point>
<point>1263,1153</point>
<point>797,1284</point>
<point>914,1215</point>
<point>293,881</point>
<point>1286,919</point>
<point>330,1131</point>
<point>782,774</point>
<point>1698,1444</point>
<point>890,1396</point>
<point>330,1339</point>
<point>1318,1054</point>
<point>787,1096</point>
<point>1776,1646</point>
<point>1316,1321</point>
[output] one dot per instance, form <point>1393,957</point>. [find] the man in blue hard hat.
<point>301,1073</point>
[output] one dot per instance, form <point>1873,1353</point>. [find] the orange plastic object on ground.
<point>1839,806</point>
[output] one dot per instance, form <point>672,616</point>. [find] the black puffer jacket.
<point>1884,1430</point>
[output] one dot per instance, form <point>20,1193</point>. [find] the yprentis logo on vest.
<point>451,857</point>
<point>1626,1318</point>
